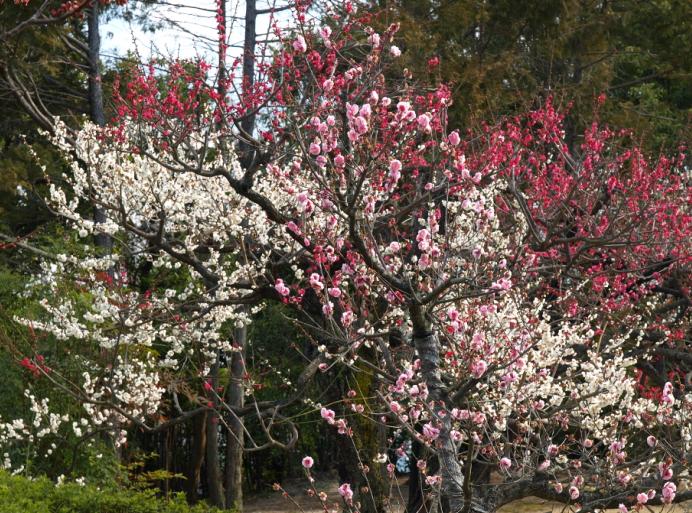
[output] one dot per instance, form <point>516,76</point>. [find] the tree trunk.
<point>451,471</point>
<point>235,397</point>
<point>233,478</point>
<point>370,489</point>
<point>166,456</point>
<point>416,499</point>
<point>249,46</point>
<point>369,441</point>
<point>199,447</point>
<point>214,484</point>
<point>96,110</point>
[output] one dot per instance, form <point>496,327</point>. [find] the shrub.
<point>22,495</point>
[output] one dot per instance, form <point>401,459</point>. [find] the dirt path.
<point>274,502</point>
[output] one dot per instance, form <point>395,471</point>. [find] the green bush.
<point>22,495</point>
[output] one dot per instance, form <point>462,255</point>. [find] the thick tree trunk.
<point>450,470</point>
<point>214,484</point>
<point>235,397</point>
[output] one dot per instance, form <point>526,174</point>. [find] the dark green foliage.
<point>503,56</point>
<point>39,66</point>
<point>21,495</point>
<point>90,455</point>
<point>276,344</point>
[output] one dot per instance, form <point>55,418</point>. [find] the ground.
<point>275,502</point>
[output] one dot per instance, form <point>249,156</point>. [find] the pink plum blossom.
<point>346,492</point>
<point>668,492</point>
<point>430,431</point>
<point>325,32</point>
<point>374,39</point>
<point>281,288</point>
<point>299,44</point>
<point>347,318</point>
<point>328,415</point>
<point>433,480</point>
<point>665,471</point>
<point>478,368</point>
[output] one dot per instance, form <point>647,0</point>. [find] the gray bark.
<point>428,348</point>
<point>235,394</point>
<point>96,110</point>
<point>95,90</point>
<point>214,484</point>
<point>235,397</point>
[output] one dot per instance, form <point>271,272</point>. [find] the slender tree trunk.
<point>235,393</point>
<point>235,397</point>
<point>451,471</point>
<point>197,452</point>
<point>96,110</point>
<point>214,484</point>
<point>249,47</point>
<point>166,457</point>
<point>98,116</point>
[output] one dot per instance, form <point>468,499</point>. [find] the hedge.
<point>22,495</point>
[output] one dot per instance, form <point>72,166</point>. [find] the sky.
<point>189,31</point>
<point>120,36</point>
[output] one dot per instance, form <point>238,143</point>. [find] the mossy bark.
<point>359,451</point>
